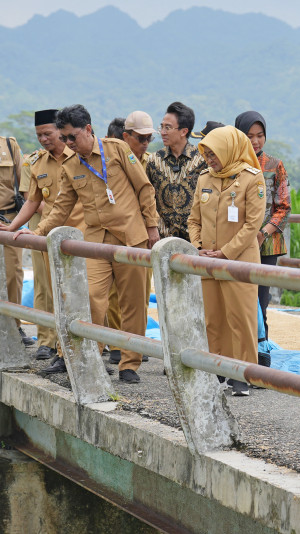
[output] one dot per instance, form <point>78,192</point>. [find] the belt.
<point>5,212</point>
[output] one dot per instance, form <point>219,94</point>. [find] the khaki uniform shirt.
<point>46,177</point>
<point>24,188</point>
<point>7,172</point>
<point>144,160</point>
<point>134,207</point>
<point>208,223</point>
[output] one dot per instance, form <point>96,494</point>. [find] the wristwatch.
<point>265,234</point>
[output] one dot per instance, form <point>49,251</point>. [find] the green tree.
<point>21,126</point>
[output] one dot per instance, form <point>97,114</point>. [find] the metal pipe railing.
<point>27,314</point>
<point>256,375</point>
<point>199,265</point>
<point>118,338</point>
<point>240,271</point>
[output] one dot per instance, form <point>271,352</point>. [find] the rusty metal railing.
<point>182,263</point>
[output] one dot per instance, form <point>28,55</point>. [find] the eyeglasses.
<point>143,138</point>
<point>69,137</point>
<point>166,127</point>
<point>210,156</point>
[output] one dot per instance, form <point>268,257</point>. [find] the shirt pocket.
<point>6,170</point>
<point>44,182</point>
<point>79,184</point>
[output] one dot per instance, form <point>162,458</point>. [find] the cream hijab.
<point>233,148</point>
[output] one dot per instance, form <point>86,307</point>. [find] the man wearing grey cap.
<point>137,133</point>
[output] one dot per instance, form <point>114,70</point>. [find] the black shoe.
<point>221,379</point>
<point>44,353</point>
<point>57,366</point>
<point>239,389</point>
<point>115,357</point>
<point>26,340</point>
<point>129,375</point>
<point>145,358</point>
<point>109,370</point>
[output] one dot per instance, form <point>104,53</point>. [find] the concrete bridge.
<point>190,480</point>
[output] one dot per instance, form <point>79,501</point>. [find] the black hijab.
<point>245,120</point>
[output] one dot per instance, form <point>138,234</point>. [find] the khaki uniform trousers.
<point>131,288</point>
<point>42,298</point>
<point>14,271</point>
<point>231,318</point>
<point>114,312</point>
<point>42,290</point>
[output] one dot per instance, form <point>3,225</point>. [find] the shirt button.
<point>213,242</point>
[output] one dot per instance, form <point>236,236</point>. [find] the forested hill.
<point>217,62</point>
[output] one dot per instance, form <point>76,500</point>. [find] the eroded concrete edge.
<point>248,486</point>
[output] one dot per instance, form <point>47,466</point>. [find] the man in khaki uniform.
<point>119,209</point>
<point>42,290</point>
<point>13,256</point>
<point>137,132</point>
<point>46,169</point>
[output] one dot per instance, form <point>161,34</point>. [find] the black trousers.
<point>263,291</point>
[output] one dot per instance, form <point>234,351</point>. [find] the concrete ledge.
<point>265,497</point>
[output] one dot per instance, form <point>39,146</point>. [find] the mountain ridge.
<point>217,62</point>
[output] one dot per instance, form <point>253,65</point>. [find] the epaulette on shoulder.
<point>204,171</point>
<point>253,170</point>
<point>32,159</point>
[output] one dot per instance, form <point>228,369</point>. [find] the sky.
<point>145,12</point>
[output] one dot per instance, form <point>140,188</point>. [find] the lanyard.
<point>104,177</point>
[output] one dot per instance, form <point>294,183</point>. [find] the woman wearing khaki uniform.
<point>228,210</point>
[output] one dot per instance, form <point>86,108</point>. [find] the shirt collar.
<point>187,151</point>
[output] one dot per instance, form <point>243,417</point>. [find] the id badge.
<point>233,214</point>
<point>110,196</point>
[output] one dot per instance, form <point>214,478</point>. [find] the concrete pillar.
<point>13,353</point>
<point>89,379</point>
<point>205,417</point>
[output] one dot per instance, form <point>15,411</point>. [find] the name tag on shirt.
<point>233,214</point>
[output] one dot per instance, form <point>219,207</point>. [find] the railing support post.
<point>89,379</point>
<point>205,417</point>
<point>13,353</point>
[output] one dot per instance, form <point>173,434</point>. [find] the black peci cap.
<point>45,116</point>
<point>210,125</point>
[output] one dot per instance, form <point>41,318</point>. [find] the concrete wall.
<point>147,466</point>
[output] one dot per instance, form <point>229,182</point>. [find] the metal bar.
<point>33,242</point>
<point>294,218</point>
<point>240,271</point>
<point>84,249</point>
<point>28,314</point>
<point>289,262</point>
<point>257,375</point>
<point>124,340</point>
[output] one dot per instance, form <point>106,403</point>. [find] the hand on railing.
<point>23,231</point>
<point>4,227</point>
<point>153,236</point>
<point>212,253</point>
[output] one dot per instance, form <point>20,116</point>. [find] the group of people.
<point>226,196</point>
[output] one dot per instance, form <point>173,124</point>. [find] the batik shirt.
<point>278,203</point>
<point>174,180</point>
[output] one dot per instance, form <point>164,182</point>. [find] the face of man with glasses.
<point>77,139</point>
<point>137,142</point>
<point>169,130</point>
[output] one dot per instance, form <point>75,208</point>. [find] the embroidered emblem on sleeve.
<point>131,158</point>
